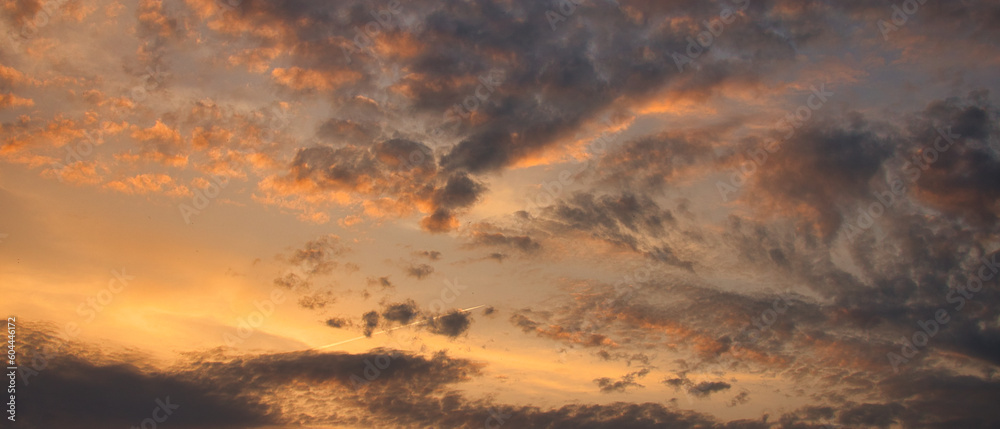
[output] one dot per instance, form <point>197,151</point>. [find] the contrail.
<point>421,322</point>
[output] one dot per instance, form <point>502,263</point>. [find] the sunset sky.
<point>496,213</point>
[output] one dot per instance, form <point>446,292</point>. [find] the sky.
<point>483,214</point>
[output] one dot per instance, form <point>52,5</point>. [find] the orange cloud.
<point>149,183</point>
<point>306,79</point>
<point>11,100</point>
<point>163,144</point>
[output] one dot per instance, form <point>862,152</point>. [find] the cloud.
<point>832,164</point>
<point>450,325</point>
<point>402,313</point>
<point>318,256</point>
<point>419,271</point>
<point>337,322</point>
<point>634,222</point>
<point>77,384</point>
<point>382,282</point>
<point>316,300</point>
<point>706,388</point>
<point>700,390</point>
<point>148,184</point>
<point>520,243</point>
<point>292,281</point>
<point>608,385</point>
<point>370,322</point>
<point>429,254</point>
<point>962,179</point>
<point>402,174</point>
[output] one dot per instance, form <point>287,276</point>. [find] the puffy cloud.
<point>522,243</point>
<point>402,312</point>
<point>319,256</point>
<point>608,385</point>
<point>402,173</point>
<point>149,183</point>
<point>419,271</point>
<point>451,325</point>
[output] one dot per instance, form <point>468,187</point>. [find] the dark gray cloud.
<point>608,385</point>
<point>964,179</point>
<point>522,243</point>
<point>700,390</point>
<point>429,254</point>
<point>382,282</point>
<point>634,222</point>
<point>651,163</point>
<point>823,166</point>
<point>450,325</point>
<point>316,300</point>
<point>706,388</point>
<point>292,281</point>
<point>319,256</point>
<point>402,171</point>
<point>337,322</point>
<point>419,271</point>
<point>89,390</point>
<point>369,321</point>
<point>402,312</point>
